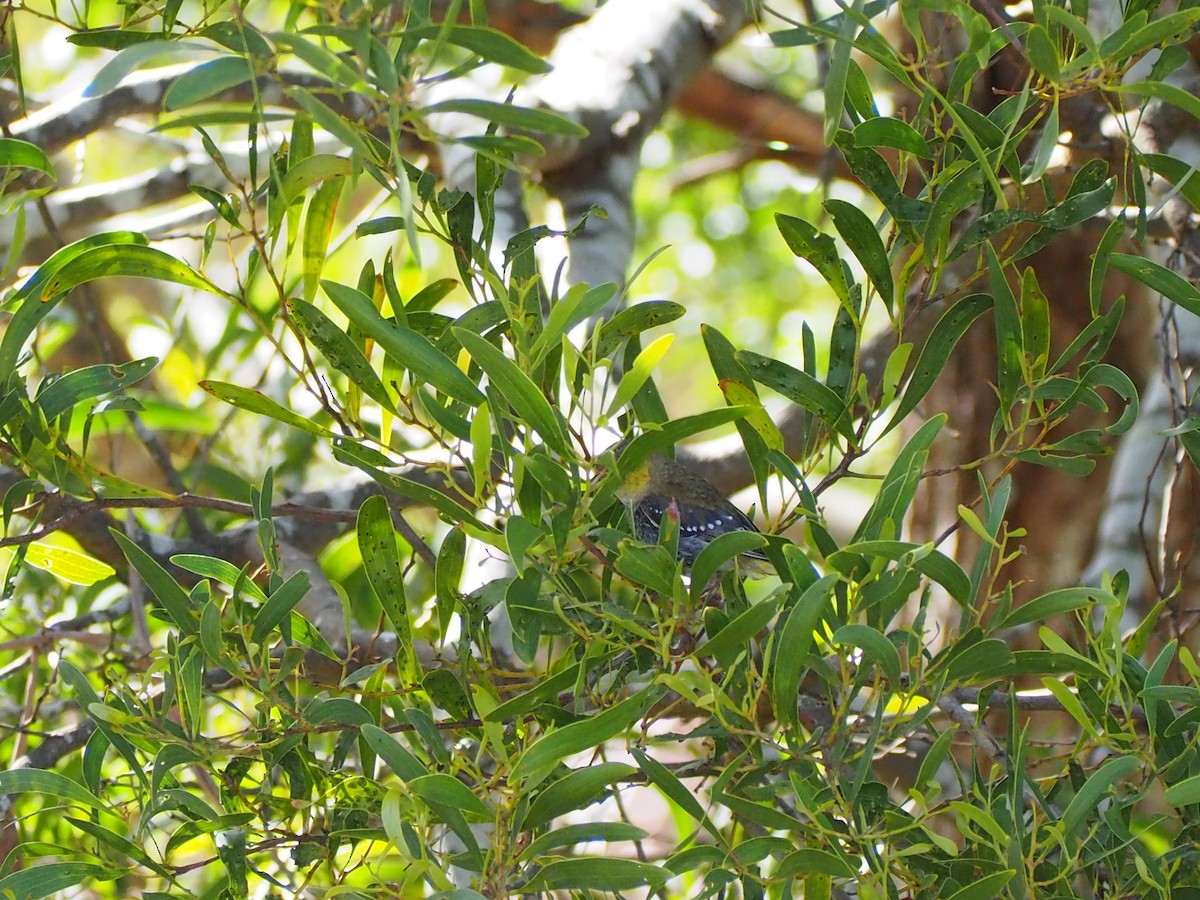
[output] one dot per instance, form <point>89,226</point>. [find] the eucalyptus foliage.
<point>244,750</point>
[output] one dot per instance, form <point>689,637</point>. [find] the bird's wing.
<point>696,522</point>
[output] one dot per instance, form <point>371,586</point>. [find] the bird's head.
<point>635,483</point>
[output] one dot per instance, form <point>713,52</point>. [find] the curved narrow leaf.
<point>207,80</point>
<point>407,347</point>
<point>820,250</point>
<point>31,312</point>
<point>337,347</point>
<point>590,732</point>
<point>717,553</point>
<point>440,789</point>
<point>66,564</point>
<point>313,170</point>
<point>256,402</point>
<point>884,131</point>
<point>1086,802</point>
<point>173,598</point>
<point>860,235</point>
<point>53,877</point>
<point>921,557</point>
<point>318,226</point>
<point>130,261</point>
<point>633,320</point>
<point>20,154</point>
<point>639,373</point>
<point>280,604</point>
<point>876,649</point>
<point>570,835</point>
<point>900,483</point>
<point>492,45</point>
<point>44,781</point>
<point>1055,603</point>
<point>1159,278</point>
<point>792,645</point>
<point>580,304</point>
<point>799,387</point>
<point>595,874</point>
<point>381,561</point>
<point>518,389</point>
<point>90,381</point>
<point>356,455</point>
<point>517,117</point>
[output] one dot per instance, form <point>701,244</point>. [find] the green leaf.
<point>134,57</point>
<point>173,598</point>
<point>118,843</point>
<point>580,304</point>
<point>332,122</point>
<point>389,749</point>
<point>442,790</point>
<point>883,131</point>
<point>587,733</point>
<point>940,344</point>
<point>860,235</point>
<point>839,68</point>
<point>313,170</point>
<point>595,874</point>
<point>876,649</point>
<point>820,250</point>
<point>800,388</point>
<point>900,484</point>
<point>649,567</point>
<point>633,320</point>
<point>663,779</point>
<point>1054,603</point>
<point>516,117</point>
<point>318,226</point>
<point>112,38</point>
<point>238,36</point>
<point>1159,278</point>
<point>921,557</point>
<point>224,572</point>
<point>260,404</point>
<point>51,878</point>
<point>574,791</point>
<point>1043,54</point>
<point>207,80</point>
<point>570,835</point>
<point>322,60</point>
<point>381,561</point>
<point>343,354</point>
<point>455,513</point>
<point>985,888</point>
<point>792,644</point>
<point>639,373</point>
<point>407,347</point>
<point>492,45</point>
<point>19,154</point>
<point>279,605</point>
<point>62,393</point>
<point>1183,793</point>
<point>527,400</point>
<point>44,781</point>
<point>1086,801</point>
<point>717,553</point>
<point>810,860</point>
<point>735,636</point>
<point>127,260</point>
<point>66,564</point>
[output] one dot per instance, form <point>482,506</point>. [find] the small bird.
<point>660,484</point>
